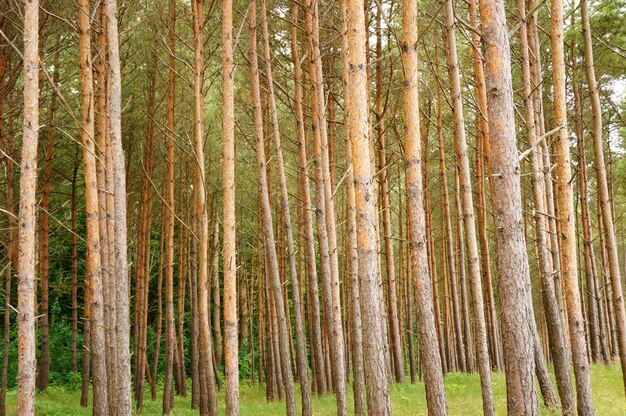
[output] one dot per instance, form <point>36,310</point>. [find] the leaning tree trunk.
<point>551,307</point>
<point>512,261</point>
<point>284,352</point>
<point>301,359</point>
<point>27,364</point>
<point>603,190</point>
<point>431,360</point>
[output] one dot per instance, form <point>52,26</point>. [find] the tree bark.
<point>230,277</point>
<point>270,244</point>
<point>566,217</point>
<point>27,364</point>
<point>518,336</point>
<point>603,190</point>
<point>431,360</point>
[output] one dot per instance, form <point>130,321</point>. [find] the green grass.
<point>463,398</point>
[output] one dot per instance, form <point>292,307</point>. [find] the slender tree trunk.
<point>355,325</point>
<point>431,361</point>
<point>208,402</point>
<point>230,265</point>
<point>12,244</point>
<point>73,226</point>
<point>311,265</point>
<point>270,244</point>
<point>168,394</point>
<point>326,203</point>
<point>603,190</point>
<point>591,276</point>
<point>123,393</point>
<point>510,245</point>
<point>566,217</point>
<point>301,359</point>
<point>392,301</point>
<point>27,364</point>
<point>551,309</point>
<point>43,371</point>
<point>159,318</point>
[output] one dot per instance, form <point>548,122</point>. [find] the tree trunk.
<point>431,361</point>
<point>551,308</point>
<point>392,301</point>
<point>43,371</point>
<point>510,245</point>
<point>311,265</point>
<point>168,395</point>
<point>354,307</point>
<point>123,393</point>
<point>208,402</point>
<point>603,190</point>
<point>358,130</point>
<point>326,209</point>
<point>230,265</point>
<point>566,217</point>
<point>73,226</point>
<point>270,244</point>
<point>301,359</point>
<point>27,364</point>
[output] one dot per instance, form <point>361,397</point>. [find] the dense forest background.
<point>172,105</point>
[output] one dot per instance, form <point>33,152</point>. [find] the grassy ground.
<point>463,397</point>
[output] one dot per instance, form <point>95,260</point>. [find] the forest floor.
<point>463,390</point>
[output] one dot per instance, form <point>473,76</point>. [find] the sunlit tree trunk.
<point>604,195</point>
<point>514,287</point>
<point>567,226</point>
<point>230,265</point>
<point>123,389</point>
<point>168,193</point>
<point>27,363</point>
<point>270,244</point>
<point>358,130</point>
<point>431,361</point>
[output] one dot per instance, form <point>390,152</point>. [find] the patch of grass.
<point>463,390</point>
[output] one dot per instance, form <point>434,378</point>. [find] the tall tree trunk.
<point>301,359</point>
<point>73,226</point>
<point>208,402</point>
<point>431,360</point>
<point>27,364</point>
<point>311,265</point>
<point>123,393</point>
<point>482,156</point>
<point>93,266</point>
<point>270,244</point>
<point>230,264</point>
<point>603,190</point>
<point>43,371</point>
<point>510,245</point>
<point>168,394</point>
<point>326,208</point>
<point>566,217</point>
<point>392,298</point>
<point>591,276</point>
<point>12,245</point>
<point>355,320</point>
<point>357,127</point>
<point>551,307</point>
